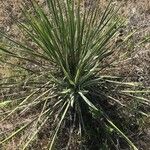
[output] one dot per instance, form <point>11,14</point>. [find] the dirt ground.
<point>137,13</point>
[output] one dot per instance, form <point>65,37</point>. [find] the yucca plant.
<point>67,80</point>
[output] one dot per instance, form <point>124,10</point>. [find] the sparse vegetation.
<point>64,79</point>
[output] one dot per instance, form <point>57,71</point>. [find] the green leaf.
<point>122,134</point>
<point>4,104</point>
<point>88,101</point>
<point>58,126</point>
